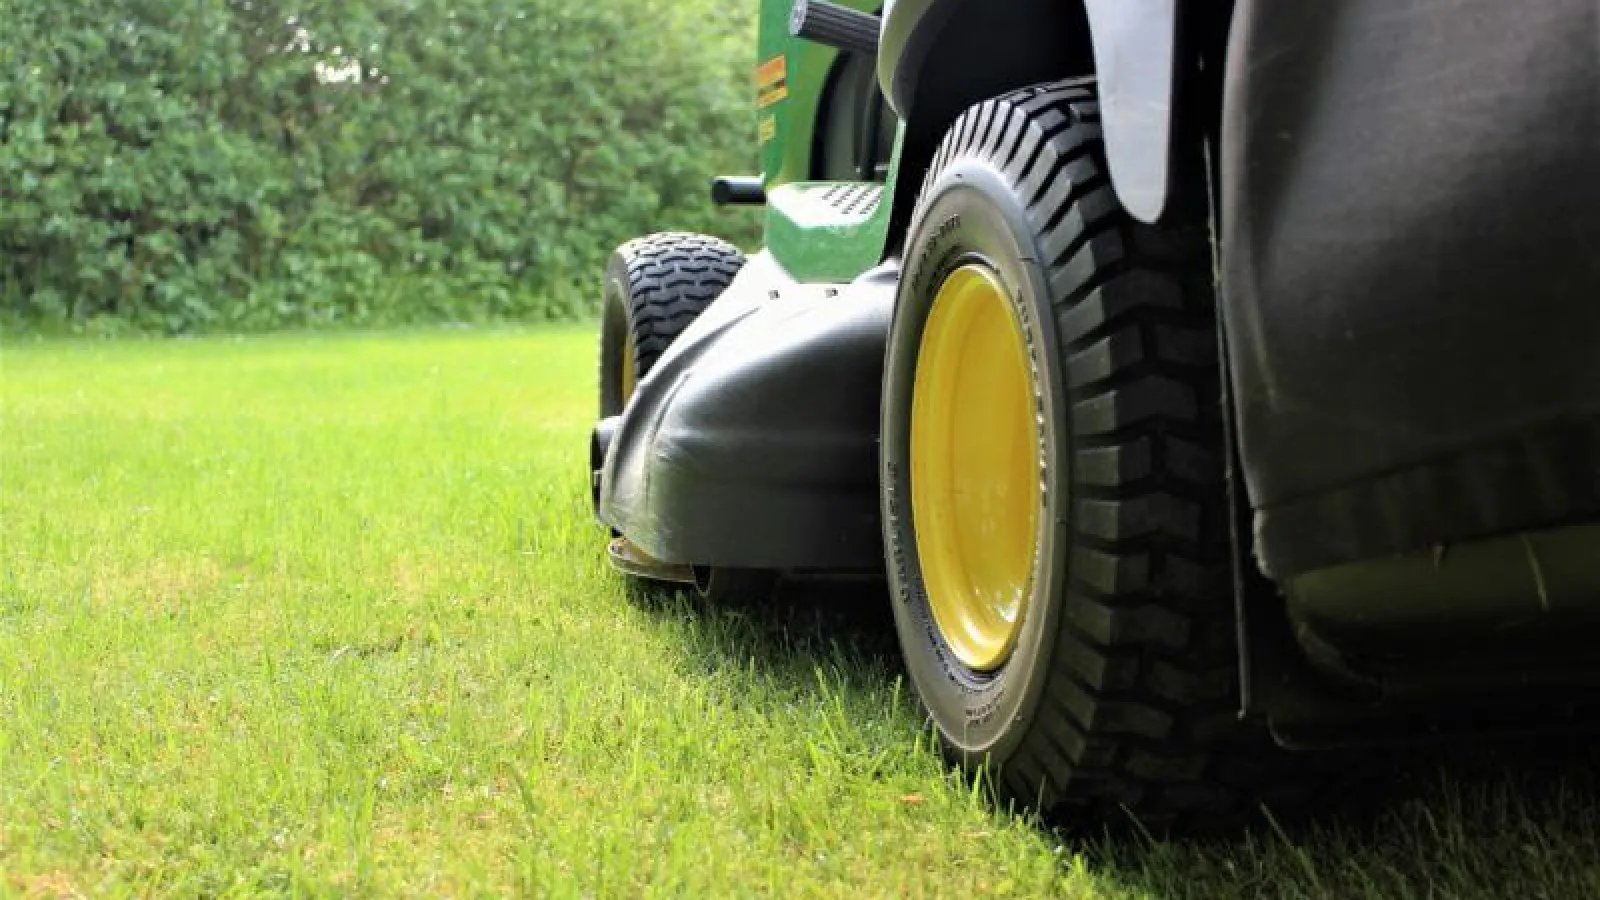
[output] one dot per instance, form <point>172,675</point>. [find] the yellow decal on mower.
<point>772,81</point>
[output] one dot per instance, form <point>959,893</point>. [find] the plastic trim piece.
<point>1135,46</point>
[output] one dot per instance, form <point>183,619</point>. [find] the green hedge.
<point>185,165</point>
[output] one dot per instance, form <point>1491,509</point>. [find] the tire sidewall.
<point>971,212</point>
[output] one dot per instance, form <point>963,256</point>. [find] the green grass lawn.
<point>329,616</point>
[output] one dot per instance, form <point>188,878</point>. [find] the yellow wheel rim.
<point>630,375</point>
<point>975,469</point>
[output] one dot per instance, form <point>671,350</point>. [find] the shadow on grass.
<point>845,622</point>
<point>1486,820</point>
<point>1471,819</point>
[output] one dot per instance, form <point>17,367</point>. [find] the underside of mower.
<point>1207,382</point>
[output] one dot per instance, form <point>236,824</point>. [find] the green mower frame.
<point>1158,355</point>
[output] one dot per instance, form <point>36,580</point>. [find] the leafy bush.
<point>197,164</point>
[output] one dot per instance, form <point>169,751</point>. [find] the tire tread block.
<point>673,277</point>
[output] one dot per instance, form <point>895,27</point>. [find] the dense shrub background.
<point>185,165</point>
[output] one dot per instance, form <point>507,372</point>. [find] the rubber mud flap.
<point>1411,271</point>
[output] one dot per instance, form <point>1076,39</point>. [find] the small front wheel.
<point>655,286</point>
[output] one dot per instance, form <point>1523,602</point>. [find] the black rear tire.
<point>655,286</point>
<point>1120,694</point>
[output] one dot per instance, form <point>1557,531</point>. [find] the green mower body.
<point>1208,381</point>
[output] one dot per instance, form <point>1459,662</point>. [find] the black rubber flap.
<point>1411,264</point>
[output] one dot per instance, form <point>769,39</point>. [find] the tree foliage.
<point>196,164</point>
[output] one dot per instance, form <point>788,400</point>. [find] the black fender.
<point>752,443</point>
<point>1130,46</point>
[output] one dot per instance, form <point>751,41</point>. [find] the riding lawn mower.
<point>1211,384</point>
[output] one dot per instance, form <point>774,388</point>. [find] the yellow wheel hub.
<point>630,375</point>
<point>975,469</point>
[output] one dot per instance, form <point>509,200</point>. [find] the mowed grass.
<point>328,616</point>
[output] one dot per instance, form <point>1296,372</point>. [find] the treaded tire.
<point>654,287</point>
<point>1120,696</point>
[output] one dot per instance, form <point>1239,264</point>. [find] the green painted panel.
<point>828,231</point>
<point>813,237</point>
<point>787,126</point>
